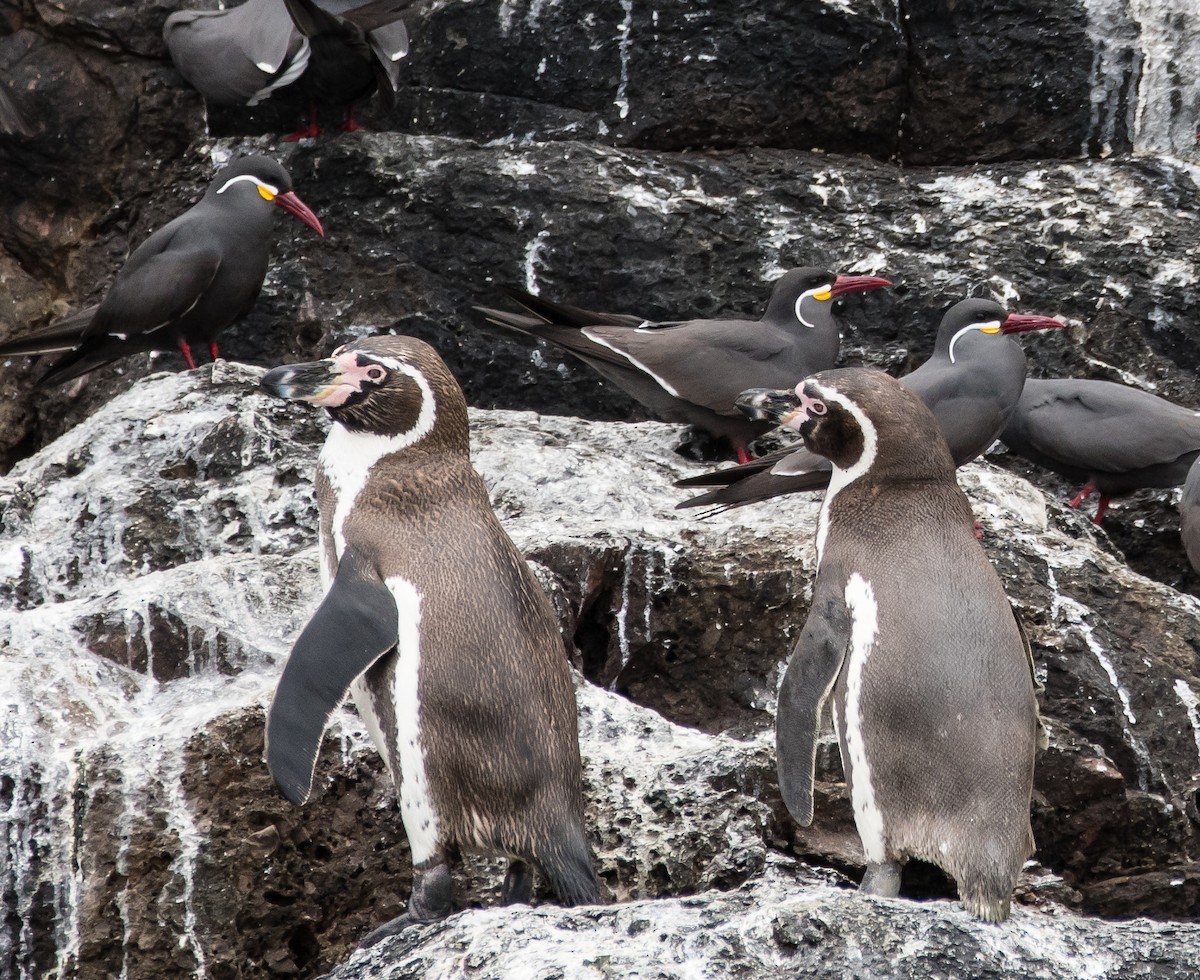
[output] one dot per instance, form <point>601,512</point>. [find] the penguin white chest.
<point>406,753</point>
<point>346,461</point>
<point>864,629</point>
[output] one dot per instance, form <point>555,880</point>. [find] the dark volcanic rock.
<point>1028,72</point>
<point>156,554</point>
<point>688,619</point>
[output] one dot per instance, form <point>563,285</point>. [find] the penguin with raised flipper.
<point>436,625</point>
<point>933,693</point>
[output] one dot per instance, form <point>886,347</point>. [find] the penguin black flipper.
<point>355,625</point>
<point>810,676</point>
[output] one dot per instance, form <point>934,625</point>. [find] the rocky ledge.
<point>157,561</point>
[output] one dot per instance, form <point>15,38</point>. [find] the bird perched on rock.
<point>355,50</point>
<point>911,634</point>
<point>692,370</point>
<point>237,55</point>
<point>1109,437</point>
<point>340,50</point>
<point>435,623</point>
<point>185,283</point>
<point>971,382</point>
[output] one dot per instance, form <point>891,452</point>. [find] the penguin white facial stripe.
<point>665,385</point>
<point>842,478</point>
<point>818,292</point>
<point>416,805</point>
<point>262,185</point>
<point>992,326</point>
<point>347,457</point>
<point>864,617</point>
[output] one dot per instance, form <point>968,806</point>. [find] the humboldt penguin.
<point>1109,437</point>
<point>910,631</point>
<point>971,382</point>
<point>692,370</point>
<point>437,627</point>
<point>185,283</point>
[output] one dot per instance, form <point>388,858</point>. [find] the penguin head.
<point>252,183</point>
<point>968,323</point>
<point>858,419</point>
<point>395,387</point>
<point>807,295</point>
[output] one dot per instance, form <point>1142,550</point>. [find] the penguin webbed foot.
<point>882,879</point>
<point>518,884</point>
<point>432,900</point>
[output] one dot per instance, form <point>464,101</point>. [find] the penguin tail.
<point>986,892</point>
<point>566,862</point>
<point>989,908</point>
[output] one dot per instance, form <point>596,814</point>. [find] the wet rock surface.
<point>156,530</point>
<point>139,681</point>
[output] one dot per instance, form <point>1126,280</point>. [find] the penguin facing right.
<point>911,633</point>
<point>435,623</point>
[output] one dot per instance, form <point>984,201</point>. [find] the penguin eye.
<point>817,408</point>
<point>375,373</point>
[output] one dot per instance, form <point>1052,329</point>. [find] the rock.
<point>786,923</point>
<point>687,620</point>
<point>156,530</point>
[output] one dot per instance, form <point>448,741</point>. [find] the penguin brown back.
<point>911,632</point>
<point>436,626</point>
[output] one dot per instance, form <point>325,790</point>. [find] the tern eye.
<point>376,373</point>
<point>818,408</point>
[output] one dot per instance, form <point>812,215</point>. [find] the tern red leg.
<point>186,351</point>
<point>212,349</point>
<point>351,125</point>
<point>311,130</point>
<point>1101,509</point>
<point>743,454</point>
<point>1084,492</point>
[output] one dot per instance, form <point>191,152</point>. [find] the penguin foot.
<point>881,879</point>
<point>518,884</point>
<point>302,134</point>
<point>392,928</point>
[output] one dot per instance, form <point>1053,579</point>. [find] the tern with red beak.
<point>185,283</point>
<point>972,383</point>
<point>691,371</point>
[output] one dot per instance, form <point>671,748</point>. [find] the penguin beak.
<point>316,382</point>
<point>845,285</point>
<point>298,209</point>
<point>1022,323</point>
<point>770,405</point>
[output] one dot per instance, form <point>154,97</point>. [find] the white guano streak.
<point>348,457</point>
<point>1187,697</point>
<point>842,478</point>
<point>864,626</point>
